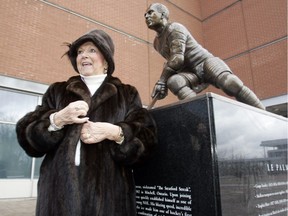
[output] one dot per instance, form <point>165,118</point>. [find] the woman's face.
<point>90,60</point>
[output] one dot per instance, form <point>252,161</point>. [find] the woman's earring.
<point>105,67</point>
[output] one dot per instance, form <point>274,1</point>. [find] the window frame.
<point>23,87</point>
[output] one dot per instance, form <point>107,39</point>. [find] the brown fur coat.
<point>103,184</point>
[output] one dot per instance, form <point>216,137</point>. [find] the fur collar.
<point>105,91</point>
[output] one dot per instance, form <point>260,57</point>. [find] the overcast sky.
<point>240,131</point>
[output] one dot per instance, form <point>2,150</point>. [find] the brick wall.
<point>250,35</point>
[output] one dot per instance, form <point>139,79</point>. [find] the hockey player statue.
<point>190,68</point>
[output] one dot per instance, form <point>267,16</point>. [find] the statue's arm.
<point>177,45</point>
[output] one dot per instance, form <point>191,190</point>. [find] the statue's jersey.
<point>175,39</point>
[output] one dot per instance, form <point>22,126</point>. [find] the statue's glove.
<point>160,90</point>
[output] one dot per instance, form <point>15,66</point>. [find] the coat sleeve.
<point>32,130</point>
<point>139,130</point>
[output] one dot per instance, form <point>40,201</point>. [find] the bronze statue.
<point>190,68</point>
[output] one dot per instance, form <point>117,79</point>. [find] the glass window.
<point>14,162</point>
<point>15,105</point>
<point>38,162</point>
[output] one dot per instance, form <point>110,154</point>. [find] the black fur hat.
<point>101,40</point>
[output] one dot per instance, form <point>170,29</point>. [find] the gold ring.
<point>88,135</point>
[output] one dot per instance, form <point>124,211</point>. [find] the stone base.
<point>215,156</point>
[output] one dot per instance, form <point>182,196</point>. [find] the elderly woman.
<point>92,129</point>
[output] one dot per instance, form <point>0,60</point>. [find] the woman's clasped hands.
<point>92,132</point>
<point>74,113</point>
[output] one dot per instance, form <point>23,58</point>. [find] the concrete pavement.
<point>17,207</point>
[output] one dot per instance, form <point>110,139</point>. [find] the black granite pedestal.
<point>215,157</point>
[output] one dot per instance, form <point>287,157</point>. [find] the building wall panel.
<point>209,8</point>
<point>265,21</point>
<point>225,33</point>
<point>269,67</point>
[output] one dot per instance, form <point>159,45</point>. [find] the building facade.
<point>249,35</point>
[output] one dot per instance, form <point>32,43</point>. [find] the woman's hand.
<point>74,113</point>
<point>95,132</point>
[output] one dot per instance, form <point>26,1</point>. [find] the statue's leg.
<point>220,75</point>
<point>233,86</point>
<point>181,85</point>
<point>247,96</point>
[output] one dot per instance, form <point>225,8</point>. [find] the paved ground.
<point>17,207</point>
